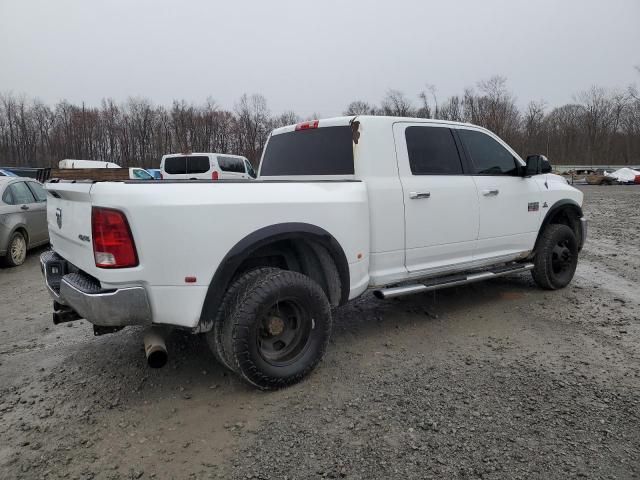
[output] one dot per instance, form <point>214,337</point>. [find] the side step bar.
<point>451,281</point>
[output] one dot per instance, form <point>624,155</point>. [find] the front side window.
<point>230,164</point>
<point>432,151</point>
<point>21,193</point>
<point>488,156</point>
<point>38,192</point>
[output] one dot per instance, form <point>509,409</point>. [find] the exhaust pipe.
<point>155,348</point>
<point>64,315</point>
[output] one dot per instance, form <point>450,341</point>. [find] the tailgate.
<point>69,222</point>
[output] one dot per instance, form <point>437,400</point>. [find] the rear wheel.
<point>556,257</point>
<point>235,295</point>
<point>278,330</point>
<point>17,251</point>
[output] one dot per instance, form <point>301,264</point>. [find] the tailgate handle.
<point>25,207</point>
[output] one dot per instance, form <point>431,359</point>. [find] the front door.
<point>509,203</point>
<point>440,199</point>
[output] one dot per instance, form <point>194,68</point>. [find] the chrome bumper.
<point>583,231</point>
<point>78,291</point>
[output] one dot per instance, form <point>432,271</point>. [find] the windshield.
<point>142,174</point>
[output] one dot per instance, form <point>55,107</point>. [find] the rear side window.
<point>488,156</point>
<point>21,193</point>
<point>432,151</point>
<point>186,165</point>
<point>230,164</point>
<point>318,151</point>
<point>7,197</point>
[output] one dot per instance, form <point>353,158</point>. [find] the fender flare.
<point>564,204</point>
<point>265,236</point>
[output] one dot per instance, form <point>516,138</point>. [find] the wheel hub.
<point>275,326</point>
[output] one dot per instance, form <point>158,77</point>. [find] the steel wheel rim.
<point>18,249</point>
<point>561,257</point>
<point>284,333</point>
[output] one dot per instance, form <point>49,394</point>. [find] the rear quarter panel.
<point>186,229</point>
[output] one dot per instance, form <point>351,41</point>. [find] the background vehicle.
<point>135,173</point>
<point>155,173</point>
<point>205,166</point>
<point>6,173</point>
<point>397,205</point>
<point>23,218</point>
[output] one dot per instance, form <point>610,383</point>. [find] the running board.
<point>451,281</point>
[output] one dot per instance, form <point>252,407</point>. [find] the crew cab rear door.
<point>440,198</point>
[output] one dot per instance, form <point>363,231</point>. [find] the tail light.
<point>214,175</point>
<point>113,245</point>
<point>307,125</point>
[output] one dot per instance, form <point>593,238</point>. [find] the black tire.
<point>234,295</point>
<point>278,330</point>
<point>13,258</point>
<point>556,257</point>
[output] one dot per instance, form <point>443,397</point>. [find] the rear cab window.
<point>315,151</point>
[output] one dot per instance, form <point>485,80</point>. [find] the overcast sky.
<point>313,56</point>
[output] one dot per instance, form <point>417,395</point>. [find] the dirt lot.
<point>493,380</point>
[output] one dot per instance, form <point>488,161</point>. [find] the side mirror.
<point>537,164</point>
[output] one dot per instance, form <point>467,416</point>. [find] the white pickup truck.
<point>340,206</point>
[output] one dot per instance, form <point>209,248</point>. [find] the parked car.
<point>7,173</point>
<point>205,166</point>
<point>135,173</point>
<point>23,218</point>
<point>395,205</point>
<point>155,173</point>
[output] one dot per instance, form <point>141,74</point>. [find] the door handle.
<point>490,192</point>
<point>419,195</point>
<point>24,207</point>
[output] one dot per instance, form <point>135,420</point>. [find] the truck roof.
<point>170,155</point>
<point>346,120</point>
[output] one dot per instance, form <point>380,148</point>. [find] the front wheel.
<point>556,257</point>
<point>278,330</point>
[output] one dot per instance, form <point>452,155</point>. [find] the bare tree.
<point>396,104</point>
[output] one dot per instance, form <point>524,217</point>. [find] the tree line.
<point>602,126</point>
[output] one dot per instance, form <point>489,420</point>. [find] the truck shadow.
<point>115,364</point>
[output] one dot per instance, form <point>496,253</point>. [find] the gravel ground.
<point>492,380</point>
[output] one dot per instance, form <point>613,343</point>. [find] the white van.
<point>135,173</point>
<point>209,166</point>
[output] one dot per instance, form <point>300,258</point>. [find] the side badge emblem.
<point>59,217</point>
<point>544,205</point>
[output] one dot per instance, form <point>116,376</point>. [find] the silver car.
<point>23,218</point>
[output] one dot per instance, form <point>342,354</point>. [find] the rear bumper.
<point>80,292</point>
